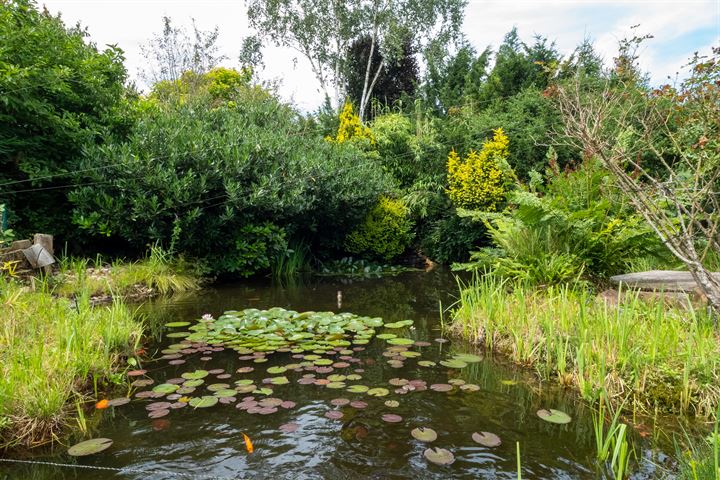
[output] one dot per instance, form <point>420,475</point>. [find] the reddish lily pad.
<point>554,416</point>
<point>391,418</point>
<point>334,415</point>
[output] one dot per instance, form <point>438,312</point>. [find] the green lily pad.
<point>378,392</point>
<point>358,388</point>
<point>554,416</point>
<point>453,364</point>
<point>177,324</point>
<point>165,388</point>
<point>178,334</point>
<point>203,402</point>
<point>392,403</point>
<point>276,370</point>
<point>400,341</point>
<point>225,393</point>
<point>400,324</point>
<point>467,358</point>
<point>197,374</point>
<point>426,363</point>
<point>424,434</point>
<point>90,447</point>
<point>386,336</point>
<point>439,456</point>
<point>279,380</point>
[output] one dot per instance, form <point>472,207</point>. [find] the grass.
<point>158,273</point>
<point>700,460</point>
<point>53,353</point>
<point>658,357</point>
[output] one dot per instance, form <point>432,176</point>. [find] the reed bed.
<point>53,352</point>
<point>653,356</point>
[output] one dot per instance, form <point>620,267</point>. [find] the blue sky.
<point>679,28</point>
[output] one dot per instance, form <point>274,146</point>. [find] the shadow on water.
<point>209,442</point>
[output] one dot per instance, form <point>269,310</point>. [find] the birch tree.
<point>323,30</point>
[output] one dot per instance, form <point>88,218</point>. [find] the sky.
<point>679,27</point>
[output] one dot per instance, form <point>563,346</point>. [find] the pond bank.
<point>647,355</point>
<point>65,336</point>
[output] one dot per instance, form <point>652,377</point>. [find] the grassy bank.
<point>655,356</point>
<point>52,354</point>
<point>159,273</point>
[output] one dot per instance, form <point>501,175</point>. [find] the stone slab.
<point>666,280</point>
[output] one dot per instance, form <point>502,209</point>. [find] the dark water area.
<point>206,443</point>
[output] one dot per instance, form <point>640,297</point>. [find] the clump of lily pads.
<point>279,329</point>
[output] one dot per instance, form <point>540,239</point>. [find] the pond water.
<point>209,442</point>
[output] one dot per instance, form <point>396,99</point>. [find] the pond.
<point>300,440</point>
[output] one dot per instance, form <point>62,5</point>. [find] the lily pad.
<point>203,402</point>
<point>165,388</point>
<point>439,456</point>
<point>391,418</point>
<point>467,358</point>
<point>453,363</point>
<point>554,416</point>
<point>196,375</point>
<point>378,392</point>
<point>177,324</point>
<point>486,439</point>
<point>400,324</point>
<point>392,403</point>
<point>358,388</point>
<point>276,370</point>
<point>90,447</point>
<point>334,414</point>
<point>400,341</point>
<point>426,363</point>
<point>116,402</point>
<point>424,434</point>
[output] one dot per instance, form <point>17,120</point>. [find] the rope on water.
<point>191,476</point>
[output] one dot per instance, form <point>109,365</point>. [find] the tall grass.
<point>656,356</point>
<point>159,272</point>
<point>51,353</point>
<point>700,460</point>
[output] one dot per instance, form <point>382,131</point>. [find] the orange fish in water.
<point>102,404</point>
<point>248,444</point>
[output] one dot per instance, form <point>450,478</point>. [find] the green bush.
<point>578,226</point>
<point>409,152</point>
<point>385,233</point>
<point>214,173</point>
<point>58,95</point>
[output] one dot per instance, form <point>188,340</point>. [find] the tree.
<point>322,31</point>
<point>397,79</point>
<point>58,95</point>
<point>623,123</point>
<point>174,52</point>
<point>451,80</point>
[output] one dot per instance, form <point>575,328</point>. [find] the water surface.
<point>209,442</point>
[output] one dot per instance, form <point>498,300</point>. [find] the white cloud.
<point>131,23</point>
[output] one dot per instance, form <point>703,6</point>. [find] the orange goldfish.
<point>102,404</point>
<point>248,444</point>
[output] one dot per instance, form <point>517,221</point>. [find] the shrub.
<point>579,226</point>
<point>477,182</point>
<point>385,233</point>
<point>410,153</point>
<point>351,128</point>
<point>254,249</point>
<point>209,171</point>
<point>58,94</point>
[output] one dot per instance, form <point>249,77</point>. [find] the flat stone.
<point>665,280</point>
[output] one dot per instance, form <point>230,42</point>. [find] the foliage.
<point>578,226</point>
<point>220,84</point>
<point>397,79</point>
<point>159,272</point>
<point>409,151</point>
<point>323,31</point>
<point>51,350</point>
<point>58,94</point>
<point>254,249</point>
<point>6,234</point>
<point>208,171</point>
<point>359,267</point>
<point>477,182</point>
<point>385,233</point>
<point>660,357</point>
<point>351,129</point>
<point>172,53</point>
